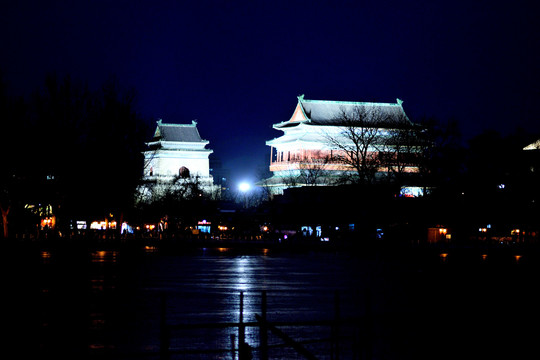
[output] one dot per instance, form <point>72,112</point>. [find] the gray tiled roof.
<point>177,132</point>
<point>344,113</point>
<point>332,112</point>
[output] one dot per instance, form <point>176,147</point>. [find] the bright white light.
<point>244,187</point>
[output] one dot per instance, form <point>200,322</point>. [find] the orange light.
<point>444,256</point>
<point>517,257</point>
<point>484,256</point>
<point>102,256</point>
<point>150,249</point>
<point>443,230</point>
<point>50,222</point>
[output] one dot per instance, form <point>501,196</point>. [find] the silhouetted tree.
<point>442,164</point>
<point>77,150</point>
<point>114,148</point>
<point>371,140</point>
<point>313,172</point>
<point>405,147</point>
<point>13,152</point>
<point>359,142</point>
<point>181,200</point>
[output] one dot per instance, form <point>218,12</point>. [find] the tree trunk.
<point>5,220</point>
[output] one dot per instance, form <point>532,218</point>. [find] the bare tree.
<point>264,184</point>
<point>176,190</point>
<point>188,188</point>
<point>360,140</point>
<point>181,199</point>
<point>443,152</point>
<point>291,179</point>
<point>5,212</point>
<point>313,172</point>
<point>309,172</point>
<point>371,140</point>
<point>403,150</point>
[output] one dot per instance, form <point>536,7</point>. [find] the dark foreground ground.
<point>432,302</point>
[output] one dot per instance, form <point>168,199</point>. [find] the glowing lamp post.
<point>244,188</point>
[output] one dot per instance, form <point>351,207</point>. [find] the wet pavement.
<point>110,303</point>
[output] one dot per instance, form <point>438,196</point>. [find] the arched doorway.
<point>184,172</point>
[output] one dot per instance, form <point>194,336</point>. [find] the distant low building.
<point>177,152</point>
<point>315,143</point>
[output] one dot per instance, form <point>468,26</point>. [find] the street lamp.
<point>244,188</point>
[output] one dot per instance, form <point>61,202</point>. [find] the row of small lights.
<point>244,187</point>
<point>444,256</point>
<point>100,255</point>
<point>443,231</point>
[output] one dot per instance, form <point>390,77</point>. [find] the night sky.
<point>238,66</point>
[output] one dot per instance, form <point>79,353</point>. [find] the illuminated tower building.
<point>316,140</point>
<point>177,152</point>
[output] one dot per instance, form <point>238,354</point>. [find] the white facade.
<point>177,151</point>
<point>166,164</point>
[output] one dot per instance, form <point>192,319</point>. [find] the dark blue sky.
<point>237,66</point>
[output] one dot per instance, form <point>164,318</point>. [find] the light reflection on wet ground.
<point>206,289</point>
<point>109,302</point>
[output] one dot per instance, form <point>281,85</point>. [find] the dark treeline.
<point>487,182</point>
<point>487,162</point>
<point>484,188</point>
<point>68,149</point>
<point>76,153</point>
<point>500,181</point>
